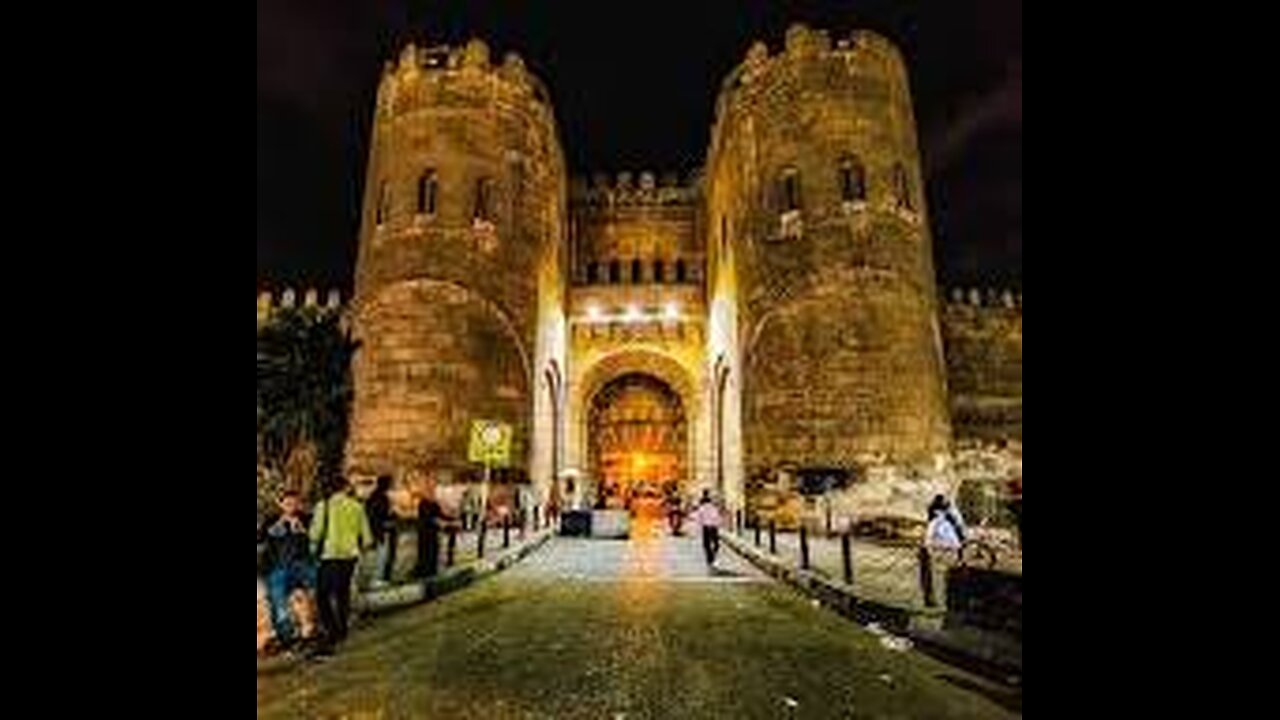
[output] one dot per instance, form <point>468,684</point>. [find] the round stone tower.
<point>458,253</point>
<point>820,241</point>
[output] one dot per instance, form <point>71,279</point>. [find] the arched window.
<point>790,190</point>
<point>637,271</point>
<point>615,272</point>
<point>593,272</point>
<point>427,192</point>
<point>680,275</point>
<point>853,179</point>
<point>902,187</point>
<point>659,272</point>
<point>384,198</point>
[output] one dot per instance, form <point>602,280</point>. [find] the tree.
<point>304,395</point>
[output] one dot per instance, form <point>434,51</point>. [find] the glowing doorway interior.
<point>638,442</point>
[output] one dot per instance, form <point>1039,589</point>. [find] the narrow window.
<point>902,187</point>
<point>659,272</point>
<point>680,271</point>
<point>724,235</point>
<point>593,272</point>
<point>484,192</point>
<point>790,191</point>
<point>853,185</point>
<point>615,272</point>
<point>427,192</point>
<point>637,273</point>
<point>383,197</point>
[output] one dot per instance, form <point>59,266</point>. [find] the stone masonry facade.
<point>785,293</point>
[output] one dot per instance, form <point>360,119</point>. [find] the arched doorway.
<point>638,438</point>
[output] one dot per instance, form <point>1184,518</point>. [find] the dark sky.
<point>634,87</point>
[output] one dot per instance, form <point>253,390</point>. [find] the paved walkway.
<point>624,629</point>
<point>650,556</point>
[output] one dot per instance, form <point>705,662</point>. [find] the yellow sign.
<point>490,443</point>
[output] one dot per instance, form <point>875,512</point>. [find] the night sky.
<point>634,87</point>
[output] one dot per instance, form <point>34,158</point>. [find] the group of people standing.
<point>321,553</point>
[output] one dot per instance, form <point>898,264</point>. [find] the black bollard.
<point>757,531</point>
<point>926,577</point>
<point>846,550</point>
<point>451,547</point>
<point>773,537</point>
<point>738,521</point>
<point>484,525</point>
<point>506,531</point>
<point>536,527</point>
<point>804,547</point>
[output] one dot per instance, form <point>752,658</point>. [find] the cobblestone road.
<point>624,629</point>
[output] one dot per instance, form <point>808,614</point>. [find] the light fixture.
<point>672,311</point>
<point>593,312</point>
<point>633,313</point>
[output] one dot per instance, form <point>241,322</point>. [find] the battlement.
<point>864,54</point>
<point>984,298</point>
<point>473,58</point>
<point>627,188</point>
<point>270,303</point>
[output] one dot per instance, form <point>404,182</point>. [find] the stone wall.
<point>982,334</point>
<point>625,225</point>
<point>806,330</point>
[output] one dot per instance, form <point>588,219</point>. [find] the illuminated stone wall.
<point>652,323</point>
<point>982,333</point>
<point>459,253</point>
<point>635,223</point>
<point>829,272</point>
<point>786,292</point>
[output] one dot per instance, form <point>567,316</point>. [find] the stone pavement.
<point>625,629</point>
<point>650,555</point>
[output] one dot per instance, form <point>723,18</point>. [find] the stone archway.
<point>683,382</point>
<point>637,434</point>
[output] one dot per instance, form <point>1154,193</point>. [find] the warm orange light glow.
<point>639,461</point>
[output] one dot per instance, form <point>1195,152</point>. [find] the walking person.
<point>707,516</point>
<point>339,531</point>
<point>382,522</point>
<point>287,565</point>
<point>429,517</point>
<point>945,529</point>
<point>674,512</point>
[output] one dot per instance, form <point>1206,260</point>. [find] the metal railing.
<point>898,572</point>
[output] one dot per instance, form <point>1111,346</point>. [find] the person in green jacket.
<point>339,532</point>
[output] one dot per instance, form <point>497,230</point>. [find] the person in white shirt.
<point>707,516</point>
<point>946,528</point>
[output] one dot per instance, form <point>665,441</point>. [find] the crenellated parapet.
<point>864,68</point>
<point>408,83</point>
<point>985,297</point>
<point>270,303</point>
<point>633,189</point>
